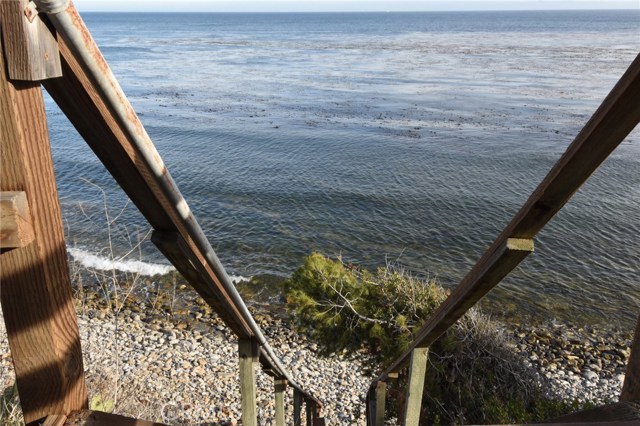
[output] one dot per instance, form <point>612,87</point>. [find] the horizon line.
<point>354,11</point>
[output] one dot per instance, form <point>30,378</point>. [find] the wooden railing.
<point>618,115</point>
<point>36,291</point>
<point>46,43</point>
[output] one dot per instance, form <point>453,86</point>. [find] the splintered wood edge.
<point>16,228</point>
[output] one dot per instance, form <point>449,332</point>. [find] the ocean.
<point>379,137</point>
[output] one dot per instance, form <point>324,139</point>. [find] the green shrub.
<point>345,308</point>
<point>474,373</point>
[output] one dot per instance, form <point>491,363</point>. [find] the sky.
<point>340,6</point>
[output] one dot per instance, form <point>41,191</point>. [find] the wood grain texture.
<point>35,289</point>
<point>415,386</point>
<point>55,420</point>
<point>297,407</point>
<point>280,387</point>
<point>617,412</point>
<point>248,352</point>
<point>309,409</point>
<point>177,251</point>
<point>97,418</point>
<point>16,229</point>
<point>631,387</point>
<point>478,282</point>
<point>616,117</point>
<point>381,398</point>
<point>30,47</point>
<point>86,107</point>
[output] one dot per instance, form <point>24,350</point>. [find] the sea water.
<point>378,137</point>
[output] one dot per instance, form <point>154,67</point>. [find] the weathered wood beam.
<point>415,386</point>
<point>55,420</point>
<point>297,407</point>
<point>631,386</point>
<point>89,110</point>
<point>178,252</point>
<point>318,419</point>
<point>249,352</point>
<point>485,275</point>
<point>616,412</point>
<point>30,45</point>
<point>16,229</point>
<point>35,288</point>
<point>97,418</point>
<point>370,414</point>
<point>381,397</point>
<point>280,387</point>
<point>309,410</point>
<point>92,99</point>
<point>616,117</point>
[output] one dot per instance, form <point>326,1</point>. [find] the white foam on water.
<point>238,278</point>
<point>91,260</point>
<point>102,263</point>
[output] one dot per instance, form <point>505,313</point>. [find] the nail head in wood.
<point>30,45</point>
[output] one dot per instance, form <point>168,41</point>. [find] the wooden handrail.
<point>616,117</point>
<point>92,99</point>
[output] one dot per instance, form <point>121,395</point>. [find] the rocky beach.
<point>183,369</point>
<point>186,372</point>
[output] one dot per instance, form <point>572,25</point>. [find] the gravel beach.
<point>185,372</point>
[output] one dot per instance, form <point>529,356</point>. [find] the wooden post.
<point>297,407</point>
<point>29,44</point>
<point>371,408</point>
<point>280,388</point>
<point>309,412</point>
<point>631,387</point>
<point>485,275</point>
<point>16,229</point>
<point>381,394</point>
<point>318,420</point>
<point>35,288</point>
<point>415,386</point>
<point>248,349</point>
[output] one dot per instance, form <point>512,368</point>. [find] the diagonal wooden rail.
<point>81,83</point>
<point>616,117</point>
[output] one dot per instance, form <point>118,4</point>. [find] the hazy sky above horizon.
<point>350,5</point>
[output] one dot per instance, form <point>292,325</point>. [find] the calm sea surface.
<point>383,136</point>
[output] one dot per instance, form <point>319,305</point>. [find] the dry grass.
<point>113,288</point>
<point>10,411</point>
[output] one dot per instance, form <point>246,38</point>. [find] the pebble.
<point>172,377</point>
<point>189,375</point>
<point>593,360</point>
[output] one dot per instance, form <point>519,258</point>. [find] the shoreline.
<point>179,366</point>
<point>265,288</point>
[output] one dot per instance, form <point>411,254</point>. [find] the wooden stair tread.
<point>96,418</point>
